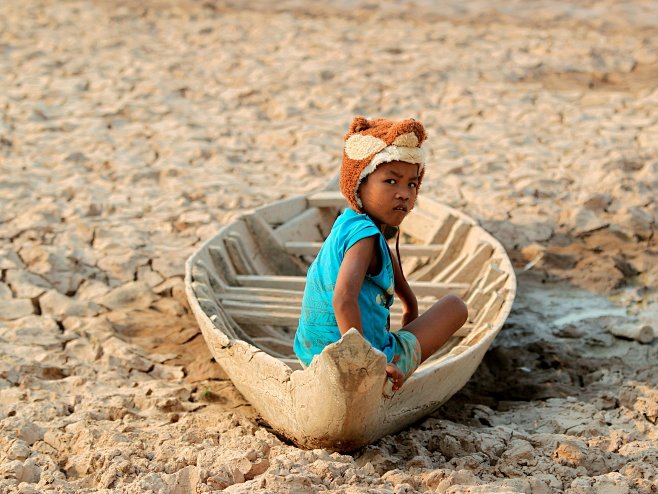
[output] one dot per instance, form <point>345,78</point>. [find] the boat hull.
<point>343,400</point>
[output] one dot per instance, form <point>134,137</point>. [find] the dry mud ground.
<point>130,131</point>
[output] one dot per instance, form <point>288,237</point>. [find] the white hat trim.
<point>390,153</point>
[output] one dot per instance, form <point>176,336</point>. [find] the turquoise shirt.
<point>317,324</point>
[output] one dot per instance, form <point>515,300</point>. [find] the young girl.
<point>351,282</point>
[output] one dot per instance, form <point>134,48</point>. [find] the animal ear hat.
<point>369,143</point>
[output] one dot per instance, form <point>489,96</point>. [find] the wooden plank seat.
<point>292,305</point>
<point>420,288</point>
<point>326,199</point>
<point>255,293</point>
<point>288,315</point>
<point>312,248</point>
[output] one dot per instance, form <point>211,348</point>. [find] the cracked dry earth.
<point>130,132</point>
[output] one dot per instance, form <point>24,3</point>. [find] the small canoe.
<point>245,288</point>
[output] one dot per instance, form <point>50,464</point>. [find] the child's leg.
<point>437,324</point>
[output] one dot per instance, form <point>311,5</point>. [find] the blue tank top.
<point>317,324</point>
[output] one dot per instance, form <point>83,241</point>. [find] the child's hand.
<point>394,374</point>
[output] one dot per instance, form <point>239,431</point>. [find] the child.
<point>351,282</point>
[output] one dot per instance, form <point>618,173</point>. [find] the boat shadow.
<point>556,343</point>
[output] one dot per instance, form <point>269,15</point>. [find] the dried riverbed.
<point>130,132</point>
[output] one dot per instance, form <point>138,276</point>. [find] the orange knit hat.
<point>369,143</point>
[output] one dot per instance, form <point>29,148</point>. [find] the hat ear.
<point>358,124</point>
<point>419,130</point>
<point>409,132</point>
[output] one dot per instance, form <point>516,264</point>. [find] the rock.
<point>27,471</point>
<point>570,331</point>
<point>611,483</point>
<point>625,267</point>
<point>92,290</point>
<point>459,478</point>
<point>9,259</point>
<point>258,467</point>
<point>574,454</point>
<point>642,399</point>
<point>5,292</point>
<point>537,254</point>
<point>151,482</point>
<point>18,450</point>
<point>60,306</point>
<point>450,447</point>
<point>121,266</point>
<point>641,221</point>
<point>533,252</point>
<point>169,306</point>
<point>642,333</point>
<point>40,218</point>
<point>35,331</point>
<point>516,236</point>
<point>167,372</point>
<point>83,351</point>
<point>119,237</point>
<point>77,240</point>
<point>569,453</point>
<point>52,264</point>
<point>25,488</point>
<point>559,260</point>
<point>520,453</point>
<point>11,309</point>
<point>150,277</point>
<point>26,284</point>
<point>378,459</point>
<point>598,274</point>
<point>219,482</point>
<point>120,354</point>
<point>169,266</point>
<point>235,465</point>
<point>586,220</point>
<point>27,431</point>
<point>167,287</point>
<point>598,202</point>
<point>191,218</point>
<point>132,295</point>
<point>537,231</point>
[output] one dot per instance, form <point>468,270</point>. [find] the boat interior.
<point>250,277</point>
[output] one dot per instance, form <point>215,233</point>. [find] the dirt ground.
<point>129,132</point>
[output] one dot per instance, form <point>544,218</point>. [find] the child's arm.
<point>351,274</point>
<point>404,293</point>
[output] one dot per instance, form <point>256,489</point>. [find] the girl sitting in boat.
<point>351,282</point>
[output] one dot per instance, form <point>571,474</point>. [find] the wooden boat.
<point>245,287</point>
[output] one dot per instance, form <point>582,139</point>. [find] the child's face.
<point>389,193</point>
